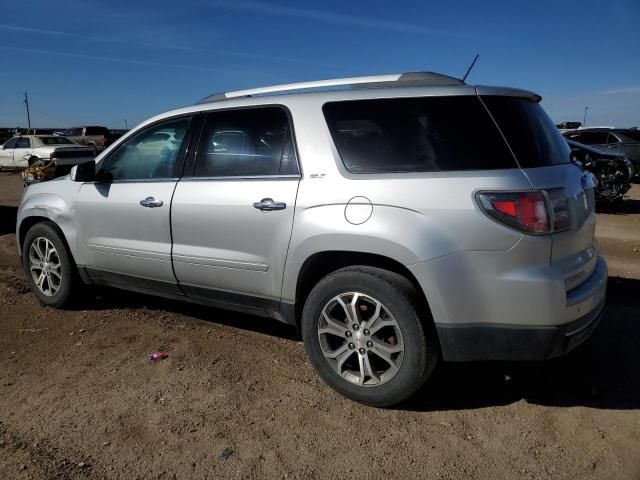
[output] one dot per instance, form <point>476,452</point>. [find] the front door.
<point>125,234</point>
<point>232,218</point>
<point>6,153</point>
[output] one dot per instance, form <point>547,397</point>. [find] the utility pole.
<point>125,124</point>
<point>26,102</point>
<point>584,119</point>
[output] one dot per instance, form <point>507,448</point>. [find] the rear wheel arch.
<point>321,264</point>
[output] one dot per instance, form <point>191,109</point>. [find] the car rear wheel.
<point>367,336</point>
<point>48,265</point>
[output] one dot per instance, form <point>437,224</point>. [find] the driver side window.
<point>11,143</point>
<point>151,154</point>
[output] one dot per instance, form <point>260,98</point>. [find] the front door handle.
<point>267,205</point>
<point>151,202</point>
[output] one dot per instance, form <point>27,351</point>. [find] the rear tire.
<point>387,353</point>
<point>48,265</point>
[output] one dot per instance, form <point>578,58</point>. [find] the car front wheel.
<point>367,336</point>
<point>48,265</point>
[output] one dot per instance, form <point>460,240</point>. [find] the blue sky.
<point>86,62</point>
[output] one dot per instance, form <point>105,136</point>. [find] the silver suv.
<point>396,220</point>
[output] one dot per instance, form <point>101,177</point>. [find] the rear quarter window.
<point>533,137</point>
<point>425,134</point>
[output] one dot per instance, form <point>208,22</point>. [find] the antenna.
<point>26,102</point>
<point>470,67</point>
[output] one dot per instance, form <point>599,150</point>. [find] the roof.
<point>409,79</point>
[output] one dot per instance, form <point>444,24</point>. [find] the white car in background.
<point>23,151</point>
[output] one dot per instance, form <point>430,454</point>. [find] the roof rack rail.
<point>396,79</point>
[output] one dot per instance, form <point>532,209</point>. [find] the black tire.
<point>68,282</point>
<point>396,293</point>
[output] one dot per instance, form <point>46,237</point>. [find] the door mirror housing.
<point>84,172</point>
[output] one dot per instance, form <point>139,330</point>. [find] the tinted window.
<point>416,135</point>
<point>11,143</point>
<point>633,135</point>
<point>248,142</point>
<point>573,136</point>
<point>55,141</point>
<point>97,131</point>
<point>147,155</point>
<point>24,142</point>
<point>611,138</point>
<point>533,137</point>
<point>593,138</point>
<point>73,132</point>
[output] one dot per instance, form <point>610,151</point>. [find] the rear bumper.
<point>461,343</point>
<point>492,315</point>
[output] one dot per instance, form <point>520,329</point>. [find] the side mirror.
<point>84,172</point>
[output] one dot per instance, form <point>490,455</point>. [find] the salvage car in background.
<point>621,140</point>
<point>613,170</point>
<point>96,137</point>
<point>42,156</point>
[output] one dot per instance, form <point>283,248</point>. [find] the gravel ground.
<point>236,397</point>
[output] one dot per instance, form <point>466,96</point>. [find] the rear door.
<point>232,217</point>
<point>125,216</point>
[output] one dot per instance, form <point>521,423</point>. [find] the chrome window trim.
<point>240,177</point>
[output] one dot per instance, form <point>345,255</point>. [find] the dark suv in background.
<point>97,137</point>
<point>621,140</point>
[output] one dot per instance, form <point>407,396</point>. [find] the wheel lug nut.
<point>356,326</point>
<point>351,346</point>
<point>366,332</point>
<point>369,344</point>
<point>362,350</point>
<point>348,334</point>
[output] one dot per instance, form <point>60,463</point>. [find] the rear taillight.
<point>535,212</point>
<point>102,140</point>
<point>53,155</point>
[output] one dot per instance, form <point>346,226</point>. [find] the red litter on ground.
<point>157,356</point>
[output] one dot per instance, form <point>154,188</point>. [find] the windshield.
<point>55,141</point>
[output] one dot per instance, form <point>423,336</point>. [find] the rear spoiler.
<point>508,92</point>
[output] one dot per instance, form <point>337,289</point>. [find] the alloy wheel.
<point>360,339</point>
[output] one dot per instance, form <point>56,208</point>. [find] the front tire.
<point>367,336</point>
<point>48,265</point>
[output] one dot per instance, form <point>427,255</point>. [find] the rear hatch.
<point>544,157</point>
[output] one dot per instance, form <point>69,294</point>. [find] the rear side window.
<point>593,138</point>
<point>55,141</point>
<point>427,134</point>
<point>634,135</point>
<point>247,142</point>
<point>24,142</point>
<point>534,139</point>
<point>97,131</point>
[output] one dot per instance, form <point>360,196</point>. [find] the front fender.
<point>49,206</point>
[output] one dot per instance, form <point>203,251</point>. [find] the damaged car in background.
<point>43,157</point>
<point>613,170</point>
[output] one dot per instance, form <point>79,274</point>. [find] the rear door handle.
<point>151,202</point>
<point>267,205</point>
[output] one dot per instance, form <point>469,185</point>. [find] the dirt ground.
<point>236,397</point>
